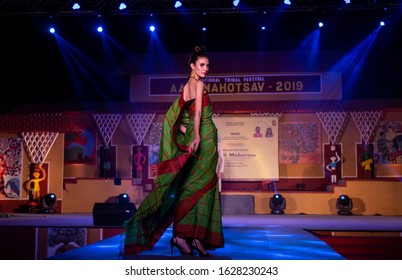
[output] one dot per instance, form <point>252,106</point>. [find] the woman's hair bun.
<point>199,48</point>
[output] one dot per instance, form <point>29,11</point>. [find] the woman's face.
<point>201,66</point>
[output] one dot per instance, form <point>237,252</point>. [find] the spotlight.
<point>344,204</point>
<point>287,2</point>
<point>177,4</point>
<point>76,6</point>
<point>49,203</point>
<point>277,204</point>
<point>52,30</point>
<point>320,24</point>
<point>152,28</point>
<point>99,29</point>
<point>236,3</point>
<point>122,6</point>
<point>123,198</point>
<point>382,23</point>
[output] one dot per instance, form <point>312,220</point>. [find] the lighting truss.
<point>135,7</point>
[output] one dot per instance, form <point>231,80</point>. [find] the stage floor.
<point>247,237</point>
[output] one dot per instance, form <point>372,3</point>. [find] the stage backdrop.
<point>250,147</point>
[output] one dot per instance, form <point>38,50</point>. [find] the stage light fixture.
<point>76,6</point>
<point>382,23</point>
<point>49,203</point>
<point>99,29</point>
<point>344,204</point>
<point>236,3</point>
<point>177,4</point>
<point>52,30</point>
<point>320,24</point>
<point>287,2</point>
<point>277,204</point>
<point>123,198</point>
<point>122,6</point>
<point>152,28</point>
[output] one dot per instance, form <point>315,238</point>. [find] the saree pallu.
<point>186,186</point>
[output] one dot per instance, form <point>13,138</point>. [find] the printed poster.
<point>388,140</point>
<point>80,147</point>
<point>300,143</point>
<point>10,167</point>
<point>250,147</point>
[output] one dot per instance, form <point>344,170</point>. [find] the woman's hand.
<point>194,145</point>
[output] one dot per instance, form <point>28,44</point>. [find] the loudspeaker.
<point>112,214</point>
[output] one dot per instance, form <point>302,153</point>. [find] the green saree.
<point>186,186</point>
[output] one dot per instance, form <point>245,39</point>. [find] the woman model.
<point>186,192</point>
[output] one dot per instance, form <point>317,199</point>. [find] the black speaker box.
<point>112,214</point>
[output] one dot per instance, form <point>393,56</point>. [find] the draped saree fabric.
<point>186,186</point>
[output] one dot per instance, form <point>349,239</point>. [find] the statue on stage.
<point>139,160</point>
<point>38,174</point>
<point>367,162</point>
<point>331,167</point>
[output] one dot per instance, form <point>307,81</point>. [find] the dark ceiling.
<point>64,8</point>
<point>77,66</point>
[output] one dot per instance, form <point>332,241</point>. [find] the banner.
<point>301,83</point>
<point>250,148</point>
<point>388,139</point>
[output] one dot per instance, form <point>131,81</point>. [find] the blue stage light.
<point>49,203</point>
<point>122,6</point>
<point>344,204</point>
<point>123,198</point>
<point>76,6</point>
<point>277,204</point>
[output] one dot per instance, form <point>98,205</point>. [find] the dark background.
<point>34,71</point>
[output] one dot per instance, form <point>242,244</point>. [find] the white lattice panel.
<point>39,144</point>
<point>279,115</point>
<point>333,123</point>
<point>366,122</point>
<point>107,124</point>
<point>140,124</point>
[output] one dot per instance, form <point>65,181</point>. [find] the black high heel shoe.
<point>173,243</point>
<point>196,245</point>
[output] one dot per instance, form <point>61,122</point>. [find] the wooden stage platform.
<point>248,237</point>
